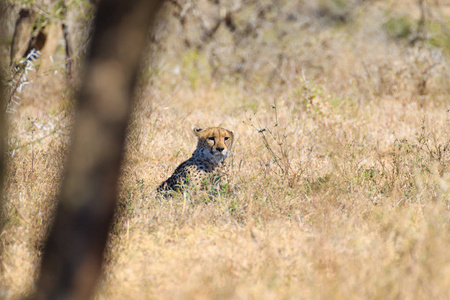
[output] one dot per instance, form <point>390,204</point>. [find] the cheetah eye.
<point>227,138</point>
<point>211,138</point>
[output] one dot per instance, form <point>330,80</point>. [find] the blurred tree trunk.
<point>22,35</point>
<point>68,42</point>
<point>73,253</point>
<point>69,51</point>
<point>2,122</point>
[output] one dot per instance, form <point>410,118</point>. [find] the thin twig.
<point>33,142</point>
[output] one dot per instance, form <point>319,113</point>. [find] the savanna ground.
<point>340,173</point>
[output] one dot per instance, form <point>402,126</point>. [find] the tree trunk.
<point>73,253</point>
<point>22,35</point>
<point>3,130</point>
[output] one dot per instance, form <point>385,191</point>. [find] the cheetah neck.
<point>204,156</point>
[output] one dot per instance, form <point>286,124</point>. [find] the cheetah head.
<point>215,143</point>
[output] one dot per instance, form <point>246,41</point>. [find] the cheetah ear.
<point>230,132</point>
<point>196,131</point>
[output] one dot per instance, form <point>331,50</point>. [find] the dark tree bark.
<point>22,35</point>
<point>73,253</point>
<point>67,42</point>
<point>2,125</point>
<point>69,51</point>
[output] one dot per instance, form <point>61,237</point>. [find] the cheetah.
<point>206,166</point>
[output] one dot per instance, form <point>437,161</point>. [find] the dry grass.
<point>340,169</point>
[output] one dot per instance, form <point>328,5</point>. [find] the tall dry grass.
<point>340,171</point>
